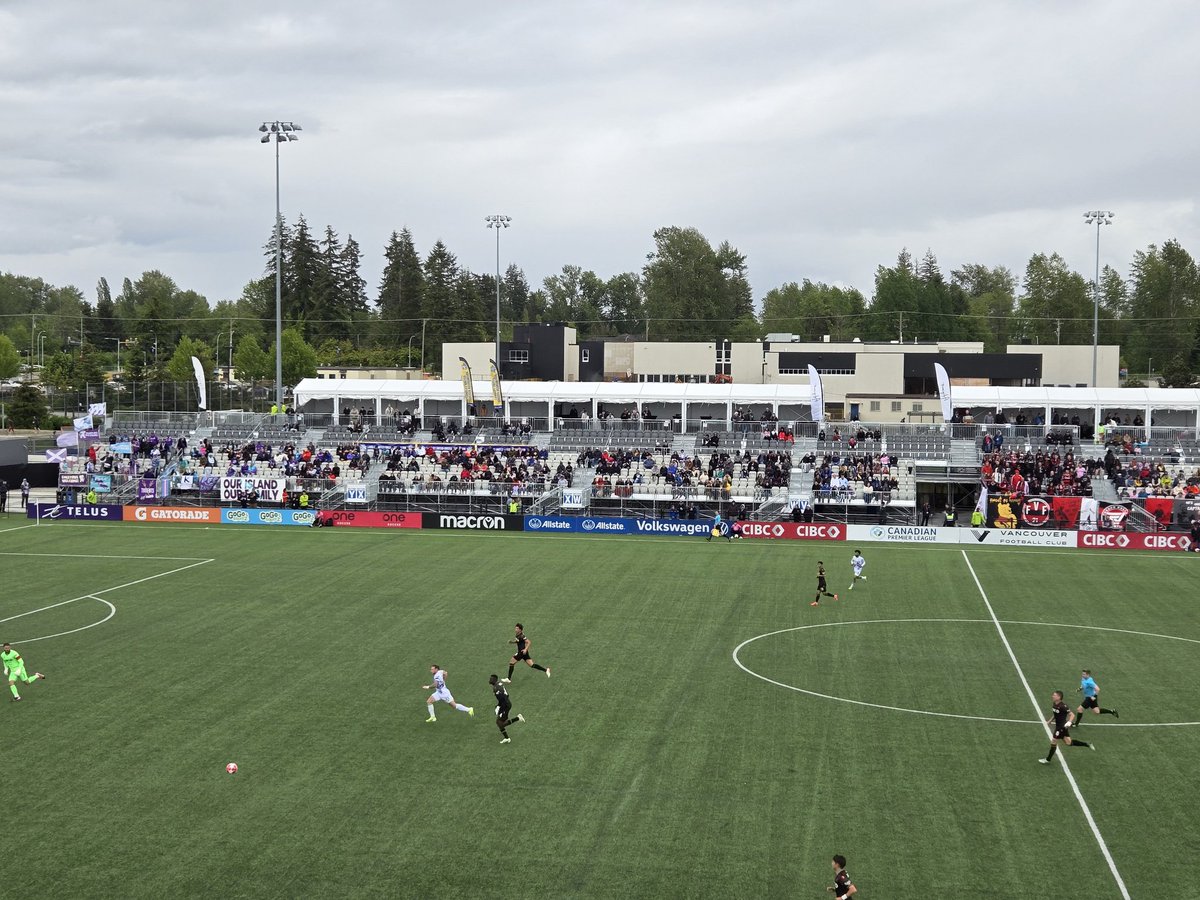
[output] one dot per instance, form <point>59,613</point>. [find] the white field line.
<point>95,595</point>
<point>121,556</point>
<point>16,528</point>
<point>1062,757</point>
<point>112,611</point>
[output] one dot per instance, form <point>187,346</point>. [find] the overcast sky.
<point>818,138</point>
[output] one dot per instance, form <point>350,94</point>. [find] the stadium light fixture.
<point>1099,217</point>
<point>498,222</point>
<point>278,133</point>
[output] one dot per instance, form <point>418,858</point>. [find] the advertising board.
<point>356,493</point>
<point>82,511</point>
<point>907,534</point>
<point>472,522</point>
<point>1017,537</point>
<point>267,516</point>
<point>72,479</point>
<point>795,531</point>
<point>1124,540</point>
<point>368,519</point>
<point>197,514</point>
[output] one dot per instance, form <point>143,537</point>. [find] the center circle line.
<point>944,715</point>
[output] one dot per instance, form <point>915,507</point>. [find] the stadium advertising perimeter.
<point>625,526</point>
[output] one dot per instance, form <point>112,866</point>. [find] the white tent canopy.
<point>314,393</point>
<point>1181,406</point>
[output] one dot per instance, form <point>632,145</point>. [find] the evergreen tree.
<point>514,296</point>
<point>440,275</point>
<point>28,407</point>
<point>400,292</point>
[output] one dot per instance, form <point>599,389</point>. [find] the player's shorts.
<point>521,654</point>
<point>17,674</point>
<point>503,710</point>
<point>821,586</point>
<point>443,695</point>
<point>1091,703</point>
<point>1062,734</point>
<point>858,573</point>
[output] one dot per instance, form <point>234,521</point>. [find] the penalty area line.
<point>95,595</point>
<point>1087,812</point>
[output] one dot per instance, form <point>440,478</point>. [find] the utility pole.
<point>902,326</point>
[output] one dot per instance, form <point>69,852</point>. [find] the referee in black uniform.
<point>504,716</point>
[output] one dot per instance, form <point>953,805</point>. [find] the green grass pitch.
<point>651,765</point>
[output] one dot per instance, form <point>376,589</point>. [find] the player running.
<point>523,644</point>
<point>441,692</point>
<point>504,716</point>
<point>1091,699</point>
<point>1062,717</point>
<point>842,885</point>
<point>822,587</point>
<point>857,563</point>
<point>14,670</point>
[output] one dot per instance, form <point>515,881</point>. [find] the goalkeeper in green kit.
<point>14,670</point>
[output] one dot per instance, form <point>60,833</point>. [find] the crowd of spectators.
<point>420,468</point>
<point>1142,478</point>
<point>838,475</point>
<point>1045,472</point>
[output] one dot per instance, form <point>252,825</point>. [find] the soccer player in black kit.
<point>1062,717</point>
<point>523,643</point>
<point>842,885</point>
<point>504,716</point>
<point>822,587</point>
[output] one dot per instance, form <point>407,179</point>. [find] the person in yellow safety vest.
<point>514,506</point>
<point>92,498</point>
<point>274,409</point>
<point>976,519</point>
<point>304,499</point>
<point>950,523</point>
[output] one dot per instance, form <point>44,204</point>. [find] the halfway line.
<point>1087,813</point>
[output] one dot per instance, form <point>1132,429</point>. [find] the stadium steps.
<point>964,453</point>
<point>1104,491</point>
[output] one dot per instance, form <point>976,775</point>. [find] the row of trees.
<point>687,290</point>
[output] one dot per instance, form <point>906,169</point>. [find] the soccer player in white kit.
<point>441,692</point>
<point>857,562</point>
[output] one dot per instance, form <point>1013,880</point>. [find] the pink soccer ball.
<point>231,768</point>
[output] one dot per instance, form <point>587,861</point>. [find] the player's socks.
<point>1050,755</point>
<point>461,708</point>
<point>429,706</point>
<point>539,668</point>
<point>1108,712</point>
<point>510,671</point>
<point>1077,743</point>
<point>16,694</point>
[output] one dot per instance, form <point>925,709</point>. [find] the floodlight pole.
<point>278,132</point>
<point>498,222</point>
<point>1100,217</point>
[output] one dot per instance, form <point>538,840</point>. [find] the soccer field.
<point>706,733</point>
